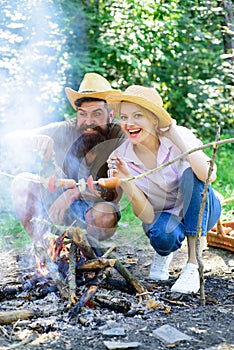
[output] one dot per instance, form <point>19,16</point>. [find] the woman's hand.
<point>169,131</point>
<point>118,167</point>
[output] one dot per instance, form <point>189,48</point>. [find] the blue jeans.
<point>167,231</point>
<point>79,209</point>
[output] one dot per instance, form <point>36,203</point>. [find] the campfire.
<point>75,268</point>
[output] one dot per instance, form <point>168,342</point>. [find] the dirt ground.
<point>209,327</point>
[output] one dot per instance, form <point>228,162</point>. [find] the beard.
<point>86,142</point>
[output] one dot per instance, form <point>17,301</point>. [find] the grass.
<point>12,233</point>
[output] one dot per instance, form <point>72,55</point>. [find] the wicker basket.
<point>219,236</point>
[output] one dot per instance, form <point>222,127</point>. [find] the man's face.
<point>90,115</point>
<point>92,123</point>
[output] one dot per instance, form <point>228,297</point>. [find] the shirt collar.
<point>130,155</point>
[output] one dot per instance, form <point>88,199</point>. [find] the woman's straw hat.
<point>92,85</point>
<point>144,97</point>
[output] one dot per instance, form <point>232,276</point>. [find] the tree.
<point>176,47</point>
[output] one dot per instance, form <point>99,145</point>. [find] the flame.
<point>40,267</point>
<point>51,250</point>
<point>64,252</point>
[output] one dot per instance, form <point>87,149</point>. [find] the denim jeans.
<point>167,231</point>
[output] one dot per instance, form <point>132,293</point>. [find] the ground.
<point>209,326</point>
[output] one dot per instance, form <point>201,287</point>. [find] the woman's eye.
<point>123,118</point>
<point>138,116</point>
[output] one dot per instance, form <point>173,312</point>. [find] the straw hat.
<point>144,97</point>
<point>92,85</point>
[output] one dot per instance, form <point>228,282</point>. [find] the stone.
<point>112,332</point>
<point>114,345</point>
<point>169,334</point>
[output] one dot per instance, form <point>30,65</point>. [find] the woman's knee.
<point>167,234</point>
<point>165,244</point>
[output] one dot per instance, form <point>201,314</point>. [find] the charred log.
<point>112,303</point>
<point>9,292</point>
<point>7,317</point>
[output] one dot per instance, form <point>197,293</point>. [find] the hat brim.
<point>73,95</point>
<point>162,115</point>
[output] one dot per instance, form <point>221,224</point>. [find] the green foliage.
<point>176,47</point>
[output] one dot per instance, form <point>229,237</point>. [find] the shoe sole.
<point>159,279</point>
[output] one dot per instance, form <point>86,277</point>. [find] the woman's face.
<point>138,123</point>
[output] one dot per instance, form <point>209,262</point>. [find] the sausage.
<point>109,182</point>
<point>54,183</point>
<point>65,183</point>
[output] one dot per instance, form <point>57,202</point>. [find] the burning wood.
<point>76,268</point>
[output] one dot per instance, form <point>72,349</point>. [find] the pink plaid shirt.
<point>161,187</point>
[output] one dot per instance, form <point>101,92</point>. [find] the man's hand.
<point>61,204</point>
<point>44,145</point>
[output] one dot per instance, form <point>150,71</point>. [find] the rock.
<point>222,346</point>
<point>169,334</point>
<point>114,332</point>
<point>114,345</point>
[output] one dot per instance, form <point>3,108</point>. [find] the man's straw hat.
<point>92,85</point>
<point>144,97</point>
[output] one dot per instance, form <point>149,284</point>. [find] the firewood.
<point>87,295</point>
<point>9,292</point>
<point>118,284</point>
<point>100,263</point>
<point>130,278</point>
<point>121,269</point>
<point>72,275</point>
<point>81,241</point>
<point>112,303</point>
<point>7,317</point>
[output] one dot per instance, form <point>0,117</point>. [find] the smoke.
<point>33,64</point>
<point>31,75</point>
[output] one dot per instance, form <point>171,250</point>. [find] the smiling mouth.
<point>90,130</point>
<point>134,132</point>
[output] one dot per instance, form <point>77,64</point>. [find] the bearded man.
<point>74,149</point>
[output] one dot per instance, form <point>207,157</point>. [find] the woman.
<point>167,201</point>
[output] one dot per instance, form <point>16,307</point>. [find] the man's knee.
<point>102,221</point>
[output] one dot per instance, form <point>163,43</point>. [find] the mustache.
<point>94,127</point>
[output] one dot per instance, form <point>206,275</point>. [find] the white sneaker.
<point>160,266</point>
<point>189,280</point>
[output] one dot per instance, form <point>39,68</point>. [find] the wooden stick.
<point>199,224</point>
<point>81,241</point>
<point>121,269</point>
<point>130,278</point>
<point>72,275</point>
<point>109,251</point>
<point>100,263</point>
<point>7,317</point>
<point>182,155</point>
<point>112,303</point>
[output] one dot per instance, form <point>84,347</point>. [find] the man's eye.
<point>97,114</point>
<point>81,114</point>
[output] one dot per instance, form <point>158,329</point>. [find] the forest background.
<point>185,49</point>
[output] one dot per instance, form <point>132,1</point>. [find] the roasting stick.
<point>111,182</point>
<point>52,183</point>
